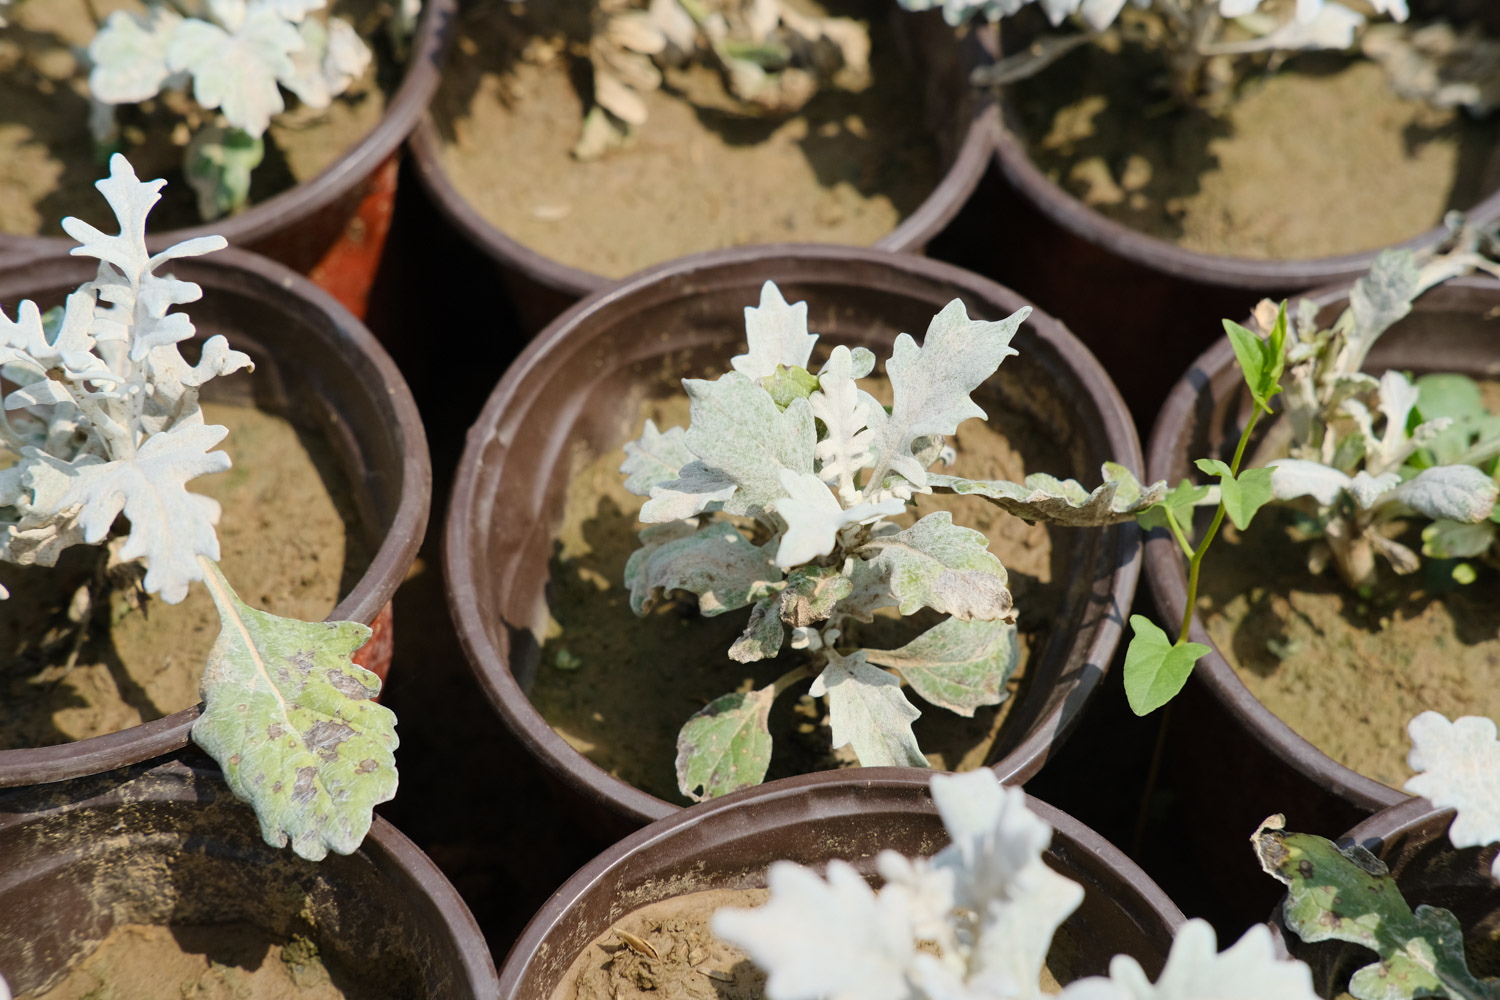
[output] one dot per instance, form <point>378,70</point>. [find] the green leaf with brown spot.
<point>726,745</point>
<point>289,717</point>
<point>1348,895</point>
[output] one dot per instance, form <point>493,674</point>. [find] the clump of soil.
<point>618,688</point>
<point>1345,672</point>
<point>289,543</point>
<point>1316,159</point>
<point>666,951</point>
<point>235,961</point>
<point>48,163</point>
<point>847,169</point>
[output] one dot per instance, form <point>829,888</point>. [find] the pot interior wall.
<point>1429,870</point>
<point>585,392</point>
<point>853,822</point>
<point>173,846</point>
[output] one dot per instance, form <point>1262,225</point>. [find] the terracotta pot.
<point>1412,839</point>
<point>852,816</point>
<point>572,383</point>
<point>315,361</point>
<point>964,120</point>
<point>332,226</point>
<point>1231,740</point>
<point>168,843</point>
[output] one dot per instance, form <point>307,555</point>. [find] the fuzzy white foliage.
<point>990,904</point>
<point>238,56</point>
<point>776,334</point>
<point>107,417</point>
<point>814,517</point>
<point>1458,767</point>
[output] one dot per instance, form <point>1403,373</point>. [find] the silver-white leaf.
<point>1458,767</point>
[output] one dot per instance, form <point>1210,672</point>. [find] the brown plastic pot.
<point>964,123</point>
<point>1233,741</point>
<point>168,843</point>
<point>573,384</point>
<point>334,224</point>
<point>1412,840</point>
<point>315,362</point>
<point>813,819</point>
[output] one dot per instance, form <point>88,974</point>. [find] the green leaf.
<point>868,712</point>
<point>1348,895</point>
<point>1261,361</point>
<point>290,719</point>
<point>789,383</point>
<point>1444,539</point>
<point>940,565</point>
<point>811,593</point>
<point>726,745</point>
<point>219,162</point>
<point>1180,500</point>
<point>957,665</point>
<point>1155,668</point>
<point>1242,496</point>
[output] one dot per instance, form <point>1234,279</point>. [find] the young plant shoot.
<point>1347,894</point>
<point>1192,32</point>
<point>105,421</point>
<point>237,55</point>
<point>775,497</point>
<point>990,905</point>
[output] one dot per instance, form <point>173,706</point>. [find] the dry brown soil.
<point>48,164</point>
<point>628,684</point>
<point>847,169</point>
<point>225,962</point>
<point>1318,158</point>
<point>671,954</point>
<point>289,544</point>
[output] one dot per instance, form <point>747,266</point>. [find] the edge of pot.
<point>1169,258</point>
<point>913,233</point>
<point>799,797</point>
<point>499,684</point>
<point>388,565</point>
<point>285,211</point>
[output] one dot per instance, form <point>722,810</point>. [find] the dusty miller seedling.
<point>989,904</point>
<point>1191,31</point>
<point>772,58</point>
<point>237,55</point>
<point>812,465</point>
<point>1348,895</point>
<point>105,421</point>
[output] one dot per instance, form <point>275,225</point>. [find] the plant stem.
<point>1195,561</point>
<point>789,678</point>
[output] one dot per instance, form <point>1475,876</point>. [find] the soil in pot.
<point>667,951</point>
<point>847,169</point>
<point>289,543</point>
<point>619,688</point>
<point>234,961</point>
<point>1347,672</point>
<point>1271,176</point>
<point>48,161</point>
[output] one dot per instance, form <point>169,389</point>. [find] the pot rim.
<point>284,211</point>
<point>173,779</point>
<point>375,587</point>
<point>1164,256</point>
<point>1167,581</point>
<point>488,662</point>
<point>762,806</point>
<point>910,235</point>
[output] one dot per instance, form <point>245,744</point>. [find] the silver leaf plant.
<point>776,497</point>
<point>237,56</point>
<point>104,421</point>
<point>974,922</point>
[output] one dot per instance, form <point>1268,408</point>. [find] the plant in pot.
<point>601,693</point>
<point>736,121</point>
<point>245,102</point>
<point>103,429</point>
<point>777,497</point>
<point>1444,947</point>
<point>1165,134</point>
